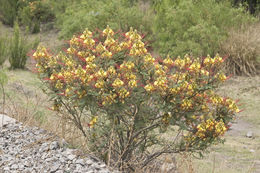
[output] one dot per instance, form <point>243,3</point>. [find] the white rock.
<point>4,120</point>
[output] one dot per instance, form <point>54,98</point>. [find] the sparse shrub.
<point>131,100</point>
<point>19,48</point>
<point>92,14</point>
<point>242,48</point>
<point>3,50</point>
<point>195,27</point>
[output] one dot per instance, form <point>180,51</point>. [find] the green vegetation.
<point>19,47</point>
<point>92,14</point>
<point>195,27</point>
<point>33,13</point>
<point>9,10</point>
<point>30,13</point>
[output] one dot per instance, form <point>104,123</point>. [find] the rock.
<point>89,162</point>
<point>249,134</point>
<point>71,157</point>
<point>14,167</point>
<point>6,168</point>
<point>55,167</point>
<point>54,145</point>
<point>252,151</point>
<point>80,161</point>
<point>5,120</point>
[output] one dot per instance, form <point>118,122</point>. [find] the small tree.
<point>133,101</point>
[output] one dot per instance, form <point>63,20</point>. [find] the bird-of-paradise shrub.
<point>132,101</point>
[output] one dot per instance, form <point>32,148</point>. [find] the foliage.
<point>30,13</point>
<point>242,48</point>
<point>130,99</point>
<point>34,12</point>
<point>195,27</point>
<point>253,6</point>
<point>3,50</point>
<point>19,48</point>
<point>92,14</point>
<point>8,10</point>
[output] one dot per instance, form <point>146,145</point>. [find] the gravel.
<point>30,149</point>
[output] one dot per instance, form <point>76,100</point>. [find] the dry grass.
<point>243,50</point>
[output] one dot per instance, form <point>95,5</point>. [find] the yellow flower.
<point>149,88</point>
<point>161,83</point>
<point>195,66</point>
<point>124,45</point>
<point>108,31</point>
<point>101,73</point>
<point>106,54</point>
<point>109,41</point>
<point>59,85</point>
<point>218,59</point>
<point>100,84</point>
<point>186,104</point>
<point>117,83</point>
<point>179,62</point>
<point>90,59</point>
<point>86,34</point>
<point>130,76</point>
<point>93,122</point>
<point>100,48</point>
<point>149,59</point>
<point>111,70</point>
<point>132,83</point>
<point>222,77</point>
<point>89,42</point>
<point>123,93</point>
<point>131,32</point>
<point>128,65</point>
<point>168,61</point>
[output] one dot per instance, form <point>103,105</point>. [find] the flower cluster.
<point>210,128</point>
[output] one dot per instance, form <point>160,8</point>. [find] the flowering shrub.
<point>130,98</point>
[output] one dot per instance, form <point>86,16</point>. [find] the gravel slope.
<point>31,150</point>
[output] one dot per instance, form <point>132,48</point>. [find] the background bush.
<point>30,13</point>
<point>243,50</point>
<point>195,27</point>
<point>33,13</point>
<point>9,10</point>
<point>118,14</point>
